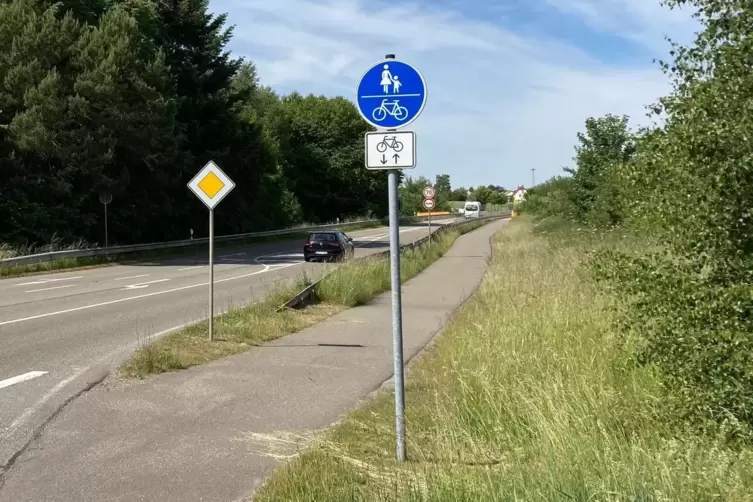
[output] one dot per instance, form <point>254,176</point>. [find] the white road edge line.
<point>45,281</point>
<point>21,378</point>
<point>138,297</point>
<point>131,277</point>
<point>49,289</point>
<point>190,268</point>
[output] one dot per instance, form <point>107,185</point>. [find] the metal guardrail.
<point>134,248</point>
<point>307,295</point>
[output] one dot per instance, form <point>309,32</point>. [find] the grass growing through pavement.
<point>240,329</point>
<point>530,396</point>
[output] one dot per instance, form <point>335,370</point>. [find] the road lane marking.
<point>142,285</point>
<point>189,268</point>
<point>267,268</point>
<point>49,289</point>
<point>138,297</point>
<point>132,277</point>
<point>23,417</point>
<point>45,281</point>
<point>21,378</point>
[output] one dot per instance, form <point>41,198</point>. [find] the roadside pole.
<point>397,315</point>
<point>391,95</point>
<point>105,198</point>
<point>429,204</point>
<point>211,275</point>
<point>211,185</point>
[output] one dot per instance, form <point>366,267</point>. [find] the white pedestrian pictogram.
<point>386,79</point>
<point>396,84</point>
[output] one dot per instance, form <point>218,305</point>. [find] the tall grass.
<point>358,282</point>
<point>528,396</point>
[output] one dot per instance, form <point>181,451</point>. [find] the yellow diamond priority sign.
<point>211,185</point>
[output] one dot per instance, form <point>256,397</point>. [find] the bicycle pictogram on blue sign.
<point>391,94</point>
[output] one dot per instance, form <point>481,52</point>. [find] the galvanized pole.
<point>397,311</point>
<point>397,316</point>
<point>429,227</point>
<point>211,275</point>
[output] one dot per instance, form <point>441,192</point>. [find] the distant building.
<point>519,194</point>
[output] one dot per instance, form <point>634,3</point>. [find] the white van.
<point>472,209</point>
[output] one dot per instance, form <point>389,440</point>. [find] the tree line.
<point>683,189</point>
<point>131,98</point>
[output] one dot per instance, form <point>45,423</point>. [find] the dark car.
<point>332,245</point>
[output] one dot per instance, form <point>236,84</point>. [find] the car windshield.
<point>321,237</point>
<point>472,207</point>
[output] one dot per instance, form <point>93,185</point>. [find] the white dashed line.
<point>49,289</point>
<point>132,277</point>
<point>21,378</point>
<point>45,281</point>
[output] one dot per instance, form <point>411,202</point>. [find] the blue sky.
<point>510,82</point>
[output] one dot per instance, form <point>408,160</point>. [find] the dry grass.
<point>240,329</point>
<point>528,396</point>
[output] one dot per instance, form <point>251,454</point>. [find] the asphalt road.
<point>62,333</point>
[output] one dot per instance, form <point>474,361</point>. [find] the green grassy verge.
<point>240,329</point>
<point>529,395</point>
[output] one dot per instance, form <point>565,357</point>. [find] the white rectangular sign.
<point>391,150</point>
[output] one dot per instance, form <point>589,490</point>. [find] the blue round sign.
<point>391,94</point>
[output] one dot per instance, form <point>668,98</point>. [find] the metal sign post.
<point>211,185</point>
<point>429,204</point>
<point>391,95</point>
<point>105,198</point>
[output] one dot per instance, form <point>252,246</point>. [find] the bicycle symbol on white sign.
<point>393,144</point>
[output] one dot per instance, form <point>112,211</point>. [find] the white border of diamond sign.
<point>224,178</point>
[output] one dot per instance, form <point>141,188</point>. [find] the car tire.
<point>306,259</point>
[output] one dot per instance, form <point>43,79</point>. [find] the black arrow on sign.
<point>396,156</point>
<point>384,159</point>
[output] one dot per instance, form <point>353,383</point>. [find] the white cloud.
<point>646,22</point>
<point>499,103</point>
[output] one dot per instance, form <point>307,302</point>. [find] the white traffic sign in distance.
<point>429,192</point>
<point>429,204</point>
<point>211,185</point>
<point>391,150</point>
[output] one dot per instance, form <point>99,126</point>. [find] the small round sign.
<point>429,192</point>
<point>429,204</point>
